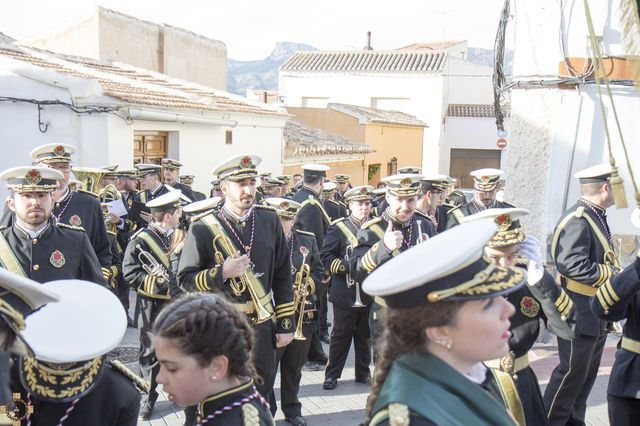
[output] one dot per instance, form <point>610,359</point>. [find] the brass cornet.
<point>242,283</point>
<point>301,289</point>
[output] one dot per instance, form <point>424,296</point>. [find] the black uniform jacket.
<point>312,217</point>
<point>156,243</point>
<point>456,214</point>
<point>614,301</point>
<point>199,271</point>
<point>335,209</point>
<point>371,251</point>
<point>547,301</point>
<point>114,401</point>
<point>342,233</point>
<point>185,189</point>
<point>239,406</point>
<point>305,239</point>
<point>79,208</point>
<point>579,255</point>
<point>59,252</point>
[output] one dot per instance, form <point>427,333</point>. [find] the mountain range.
<point>263,73</point>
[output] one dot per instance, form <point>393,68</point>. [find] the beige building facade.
<point>113,36</point>
<point>396,138</point>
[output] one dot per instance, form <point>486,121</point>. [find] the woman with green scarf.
<point>445,314</point>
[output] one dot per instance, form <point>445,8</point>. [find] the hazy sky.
<point>250,28</point>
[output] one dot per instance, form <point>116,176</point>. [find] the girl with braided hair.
<point>204,346</point>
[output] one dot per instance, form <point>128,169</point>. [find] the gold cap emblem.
<point>59,150</point>
<point>405,183</point>
<point>246,162</point>
<point>504,222</point>
<point>284,205</point>
<point>33,177</point>
<point>484,179</point>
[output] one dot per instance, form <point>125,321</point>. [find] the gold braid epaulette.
<point>140,383</point>
<point>368,224</point>
<point>64,225</point>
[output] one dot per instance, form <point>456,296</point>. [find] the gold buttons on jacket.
<point>34,241</point>
<point>36,267</point>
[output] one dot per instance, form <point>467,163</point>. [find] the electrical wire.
<point>499,79</point>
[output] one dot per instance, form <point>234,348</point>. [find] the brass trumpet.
<point>150,265</point>
<point>242,283</point>
<point>301,289</point>
<point>357,303</point>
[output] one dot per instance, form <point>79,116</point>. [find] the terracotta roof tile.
<point>302,141</point>
<point>379,116</point>
<point>470,110</point>
<point>367,60</point>
<point>139,86</point>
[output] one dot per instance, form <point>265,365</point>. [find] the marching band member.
<point>350,304</point>
<point>146,268</point>
<point>306,272</point>
<point>241,251</point>
<point>442,320</point>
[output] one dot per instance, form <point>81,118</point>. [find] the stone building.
<point>109,35</point>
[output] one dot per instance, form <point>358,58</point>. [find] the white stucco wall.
<point>466,133</point>
<point>556,132</point>
<point>106,139</point>
<point>200,147</point>
<point>19,132</point>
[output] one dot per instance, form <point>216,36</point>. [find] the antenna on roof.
<point>368,46</point>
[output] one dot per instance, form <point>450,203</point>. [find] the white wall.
<point>466,133</point>
<point>200,147</point>
<point>19,132</point>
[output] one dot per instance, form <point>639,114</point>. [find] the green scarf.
<point>437,392</point>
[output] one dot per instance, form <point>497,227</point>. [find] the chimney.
<point>368,46</point>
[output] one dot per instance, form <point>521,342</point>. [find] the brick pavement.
<point>344,405</point>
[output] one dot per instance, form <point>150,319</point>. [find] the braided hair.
<point>206,326</point>
<point>404,332</point>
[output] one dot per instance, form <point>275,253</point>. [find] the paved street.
<point>345,405</point>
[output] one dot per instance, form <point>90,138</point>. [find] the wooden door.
<point>149,147</point>
<point>463,161</point>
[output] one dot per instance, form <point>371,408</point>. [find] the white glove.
<point>530,249</point>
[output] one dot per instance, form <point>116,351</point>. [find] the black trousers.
<point>264,356</point>
<point>623,411</point>
<point>321,293</point>
<point>291,359</point>
<point>149,367</point>
<point>531,398</point>
<point>349,324</point>
<point>122,292</point>
<point>565,398</point>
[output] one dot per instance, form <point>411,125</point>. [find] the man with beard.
<point>431,203</point>
<point>76,208</point>
<point>396,230</point>
<point>36,245</point>
<point>485,185</point>
<point>249,264</point>
<point>171,171</point>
